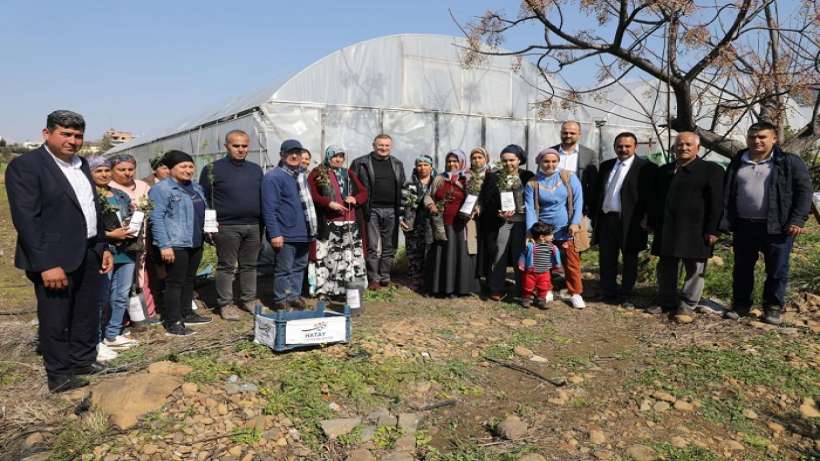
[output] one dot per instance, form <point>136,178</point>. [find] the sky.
<point>138,66</point>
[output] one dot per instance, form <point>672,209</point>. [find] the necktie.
<point>610,188</point>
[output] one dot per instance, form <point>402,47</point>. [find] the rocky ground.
<point>438,379</point>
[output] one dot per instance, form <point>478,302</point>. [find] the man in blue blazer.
<point>61,246</point>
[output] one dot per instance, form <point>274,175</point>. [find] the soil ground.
<point>601,383</point>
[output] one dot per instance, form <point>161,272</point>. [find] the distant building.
<point>31,145</point>
<point>90,149</point>
<point>117,136</point>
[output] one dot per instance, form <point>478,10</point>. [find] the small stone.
<point>522,351</point>
<point>575,379</point>
<point>776,428</point>
<point>334,407</point>
<point>641,453</point>
<point>808,409</point>
<point>664,396</point>
<point>683,318</point>
<point>382,417</point>
<point>232,388</point>
<point>282,442</point>
<point>235,450</point>
<point>166,367</point>
<point>678,442</point>
<point>660,406</point>
<point>529,322</point>
<point>538,359</point>
<point>683,405</point>
<point>334,428</point>
<point>646,405</point>
<point>532,457</point>
<point>149,449</point>
<point>222,409</point>
<point>398,456</point>
<point>409,422</point>
<point>360,455</point>
<point>189,389</point>
<point>602,455</point>
<point>33,439</point>
<point>512,428</point>
<point>733,445</point>
<point>406,442</point>
<point>750,414</point>
<point>597,437</point>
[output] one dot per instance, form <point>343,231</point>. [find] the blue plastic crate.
<point>282,331</point>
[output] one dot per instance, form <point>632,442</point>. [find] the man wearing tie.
<point>61,246</point>
<point>618,207</point>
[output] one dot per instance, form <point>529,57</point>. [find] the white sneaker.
<point>120,342</point>
<point>577,301</point>
<point>550,297</point>
<point>104,353</point>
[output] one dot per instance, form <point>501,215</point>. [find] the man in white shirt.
<point>618,208</point>
<point>578,158</point>
<point>61,246</point>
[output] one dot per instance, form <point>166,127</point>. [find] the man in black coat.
<point>767,197</point>
<point>383,176</point>
<point>685,215</point>
<point>618,208</point>
<point>61,246</point>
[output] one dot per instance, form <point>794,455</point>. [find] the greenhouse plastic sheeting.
<point>413,133</point>
<point>352,129</point>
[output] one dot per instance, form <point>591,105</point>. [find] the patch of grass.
<point>728,412</point>
<point>756,440</point>
<point>159,422</point>
<point>696,367</point>
<point>471,451</point>
<point>355,380</point>
<point>131,355</point>
<point>246,435</point>
<point>385,295</point>
<point>80,437</point>
<point>387,436</point>
<point>10,374</point>
<point>528,337</point>
<point>352,438</point>
<point>207,367</point>
<point>688,453</point>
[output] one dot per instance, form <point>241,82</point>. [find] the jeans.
<point>289,271</point>
<point>122,278</point>
<point>751,239</point>
<point>179,285</point>
<point>381,227</point>
<point>667,275</point>
<point>236,245</point>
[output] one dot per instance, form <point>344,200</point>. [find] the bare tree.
<point>720,61</point>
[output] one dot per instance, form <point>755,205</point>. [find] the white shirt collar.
<point>627,162</point>
<point>574,150</point>
<point>75,159</point>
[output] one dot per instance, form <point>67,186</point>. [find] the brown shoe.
<point>374,286</point>
<point>496,296</point>
<point>230,312</point>
<point>385,283</point>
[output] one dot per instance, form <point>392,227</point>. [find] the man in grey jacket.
<point>383,176</point>
<point>577,158</point>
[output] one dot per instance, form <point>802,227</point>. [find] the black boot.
<point>62,383</point>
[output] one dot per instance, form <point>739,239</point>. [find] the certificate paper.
<point>469,204</point>
<point>507,201</point>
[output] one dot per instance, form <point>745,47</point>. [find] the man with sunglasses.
<point>231,186</point>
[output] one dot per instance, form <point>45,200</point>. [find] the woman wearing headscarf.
<point>415,219</point>
<point>338,196</point>
<point>177,221</point>
<point>502,232</point>
<point>479,166</point>
<point>123,169</point>
<point>450,267</point>
<point>555,197</point>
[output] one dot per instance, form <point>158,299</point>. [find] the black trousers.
<point>179,284</point>
<point>69,319</point>
<point>609,246</point>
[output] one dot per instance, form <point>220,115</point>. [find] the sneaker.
<point>120,342</point>
<point>731,315</point>
<point>105,353</point>
<point>196,319</point>
<point>577,301</point>
<point>230,312</point>
<point>540,303</point>
<point>655,310</point>
<point>178,329</point>
<point>526,302</point>
<point>772,316</point>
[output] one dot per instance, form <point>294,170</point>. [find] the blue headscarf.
<point>341,173</point>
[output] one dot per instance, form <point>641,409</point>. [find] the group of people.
<point>91,237</point>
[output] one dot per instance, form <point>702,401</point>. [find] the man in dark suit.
<point>61,246</point>
<point>685,215</point>
<point>618,208</point>
<point>577,158</point>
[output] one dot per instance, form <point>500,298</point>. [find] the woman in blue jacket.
<point>546,200</point>
<point>177,222</point>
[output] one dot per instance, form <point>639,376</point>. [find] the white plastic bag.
<point>135,309</point>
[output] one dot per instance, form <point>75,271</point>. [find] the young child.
<point>539,257</point>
